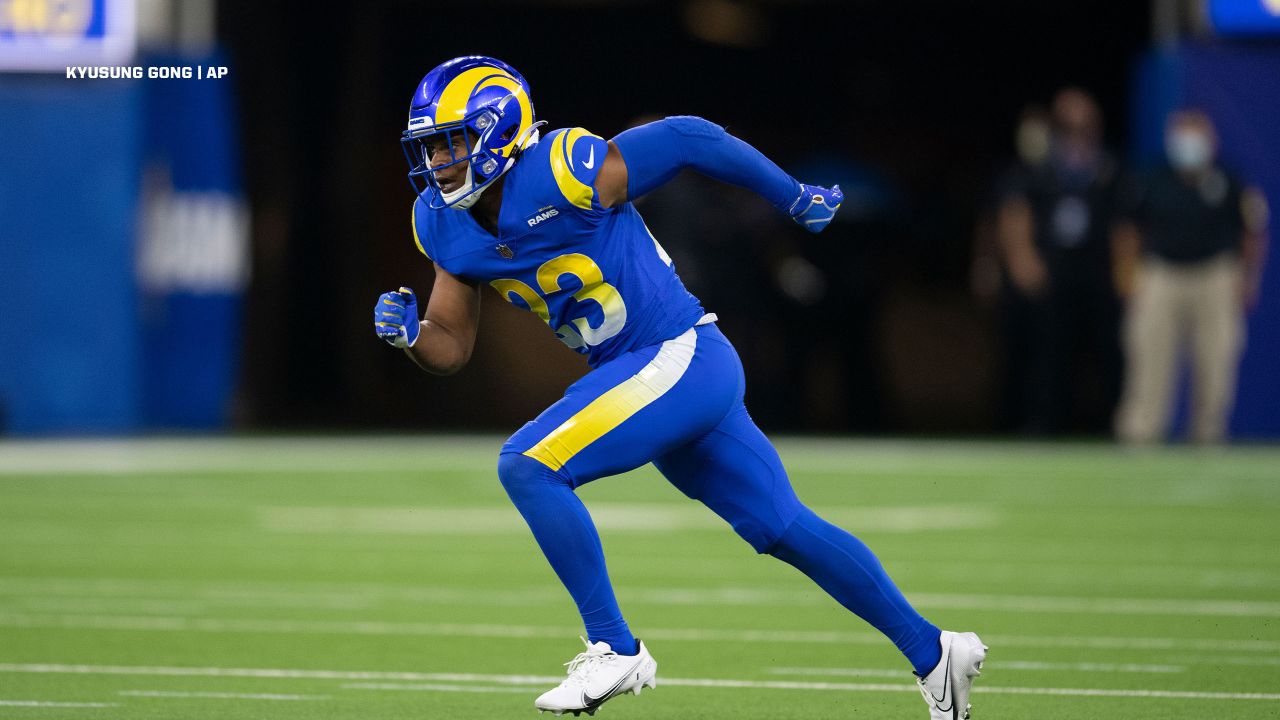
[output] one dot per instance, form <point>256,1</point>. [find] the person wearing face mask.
<point>1052,228</point>
<point>1187,259</point>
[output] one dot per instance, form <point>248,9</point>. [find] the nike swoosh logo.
<point>946,689</point>
<point>591,159</point>
<point>593,701</point>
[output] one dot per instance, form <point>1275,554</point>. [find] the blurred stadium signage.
<point>1245,17</point>
<point>49,35</point>
<point>193,259</point>
<point>195,242</point>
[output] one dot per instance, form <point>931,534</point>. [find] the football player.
<point>548,223</point>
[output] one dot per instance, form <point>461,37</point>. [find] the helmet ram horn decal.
<point>484,103</point>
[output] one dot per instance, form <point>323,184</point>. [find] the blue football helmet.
<point>486,101</point>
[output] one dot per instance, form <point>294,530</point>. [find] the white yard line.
<point>1107,642</point>
<point>217,695</point>
<point>373,627</point>
<point>45,704</point>
<point>880,455</point>
<point>437,687</point>
<point>1097,606</point>
<point>911,688</point>
<point>754,597</point>
<point>989,603</point>
<point>1039,665</point>
<point>317,454</point>
<point>837,672</point>
<point>1197,479</point>
<point>287,673</point>
<point>1033,665</point>
<point>1209,660</point>
<point>615,517</point>
<point>149,594</point>
<point>349,597</point>
<point>1098,692</point>
<point>538,680</point>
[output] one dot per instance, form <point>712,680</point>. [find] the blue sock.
<point>847,569</point>
<point>563,529</point>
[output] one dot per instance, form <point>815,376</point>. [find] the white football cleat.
<point>946,688</point>
<point>597,675</point>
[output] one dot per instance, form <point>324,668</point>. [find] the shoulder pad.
<point>576,156</point>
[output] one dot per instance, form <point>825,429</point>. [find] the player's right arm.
<point>442,341</point>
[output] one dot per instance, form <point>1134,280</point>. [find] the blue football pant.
<point>679,405</point>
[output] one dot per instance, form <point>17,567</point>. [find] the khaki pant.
<point>1174,308</point>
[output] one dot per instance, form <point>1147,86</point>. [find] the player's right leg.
<point>735,471</point>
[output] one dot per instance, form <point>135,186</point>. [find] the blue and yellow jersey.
<point>595,275</point>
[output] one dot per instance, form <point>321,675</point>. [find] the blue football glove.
<point>395,319</point>
<point>816,206</point>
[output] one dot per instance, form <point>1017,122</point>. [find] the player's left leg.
<point>735,471</point>
<point>616,418</point>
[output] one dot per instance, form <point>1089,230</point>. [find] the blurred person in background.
<point>1188,261</point>
<point>1052,229</point>
<point>735,254</point>
<point>832,381</point>
<point>990,276</point>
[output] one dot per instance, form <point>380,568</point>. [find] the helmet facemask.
<point>481,131</point>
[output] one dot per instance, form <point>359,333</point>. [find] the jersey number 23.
<point>578,332</point>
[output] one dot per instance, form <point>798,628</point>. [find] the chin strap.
<point>467,192</point>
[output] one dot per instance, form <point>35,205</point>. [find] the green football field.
<point>382,578</point>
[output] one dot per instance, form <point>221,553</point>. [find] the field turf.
<point>385,578</point>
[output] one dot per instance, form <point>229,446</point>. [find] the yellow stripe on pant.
<point>620,402</point>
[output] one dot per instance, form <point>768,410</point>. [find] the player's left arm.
<point>645,157</point>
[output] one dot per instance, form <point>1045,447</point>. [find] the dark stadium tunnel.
<point>924,93</point>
